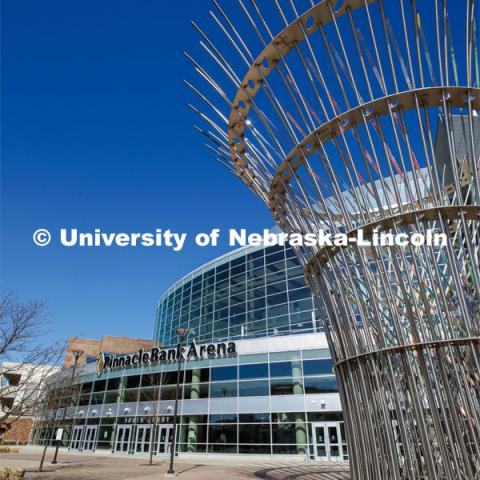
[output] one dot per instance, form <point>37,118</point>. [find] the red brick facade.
<point>17,431</point>
<point>106,344</point>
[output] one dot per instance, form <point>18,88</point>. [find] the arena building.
<point>256,373</point>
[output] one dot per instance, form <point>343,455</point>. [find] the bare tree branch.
<point>25,362</point>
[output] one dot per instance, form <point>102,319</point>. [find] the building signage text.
<point>160,355</point>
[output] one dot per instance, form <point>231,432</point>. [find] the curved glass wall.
<point>251,292</point>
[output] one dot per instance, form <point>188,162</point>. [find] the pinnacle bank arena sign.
<point>159,355</point>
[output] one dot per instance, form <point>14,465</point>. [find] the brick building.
<point>108,344</point>
<point>20,383</point>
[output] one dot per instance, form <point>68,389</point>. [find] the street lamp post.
<point>76,355</point>
<point>182,332</point>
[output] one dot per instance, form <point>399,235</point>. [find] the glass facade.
<point>252,292</point>
<point>276,395</point>
<point>108,408</point>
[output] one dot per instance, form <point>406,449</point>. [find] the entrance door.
<point>142,442</point>
<point>76,441</point>
<point>164,439</point>
<point>329,441</point>
<point>90,437</point>
<point>123,438</point>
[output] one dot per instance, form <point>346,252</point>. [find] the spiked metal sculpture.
<point>362,114</point>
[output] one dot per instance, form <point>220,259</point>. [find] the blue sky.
<point>96,134</point>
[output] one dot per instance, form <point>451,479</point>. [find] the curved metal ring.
<point>379,107</point>
<point>265,63</point>
<point>322,257</point>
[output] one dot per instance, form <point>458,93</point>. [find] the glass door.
<point>164,439</point>
<point>142,442</point>
<point>75,442</point>
<point>90,437</point>
<point>329,441</point>
<point>123,438</point>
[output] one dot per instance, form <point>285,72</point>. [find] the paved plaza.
<point>80,466</point>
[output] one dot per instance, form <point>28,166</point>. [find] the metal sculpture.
<point>354,114</point>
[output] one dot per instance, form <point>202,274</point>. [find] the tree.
<point>47,411</point>
<point>25,362</point>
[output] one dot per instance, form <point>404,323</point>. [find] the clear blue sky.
<point>96,133</point>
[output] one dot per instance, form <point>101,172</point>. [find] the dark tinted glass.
<point>299,294</point>
<point>113,383</point>
<point>320,384</point>
<point>222,433</point>
<point>281,369</point>
<point>87,387</point>
<point>254,388</point>
<point>225,389</point>
<point>99,385</point>
<point>259,370</point>
<point>283,433</point>
<point>170,378</point>
<point>225,418</point>
<point>281,387</point>
<point>317,367</point>
<point>224,373</point>
<point>151,380</point>
<point>254,417</point>
<point>259,433</point>
<point>133,381</point>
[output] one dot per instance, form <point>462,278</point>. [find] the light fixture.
<point>182,332</point>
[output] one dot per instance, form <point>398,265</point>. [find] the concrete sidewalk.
<point>104,466</point>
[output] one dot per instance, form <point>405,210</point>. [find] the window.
<point>299,294</point>
<point>317,367</point>
<point>254,417</point>
<point>281,386</point>
<point>111,396</point>
<point>170,378</point>
<point>222,433</point>
<point>277,299</point>
<point>256,433</point>
<point>296,283</point>
<point>87,387</point>
<point>320,384</point>
<point>131,395</point>
<point>225,418</point>
<point>254,388</point>
<point>84,399</point>
<point>133,381</point>
<point>225,389</point>
<point>278,287</point>
<point>148,394</point>
<point>195,391</point>
<point>224,373</point>
<point>99,386</point>
<point>151,380</point>
<point>288,417</point>
<point>258,370</point>
<point>167,392</point>
<point>283,433</point>
<point>282,369</point>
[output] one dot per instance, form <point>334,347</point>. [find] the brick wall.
<point>90,347</point>
<point>107,344</point>
<point>17,431</point>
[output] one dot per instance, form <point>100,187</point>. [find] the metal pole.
<point>181,336</point>
<point>77,354</point>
